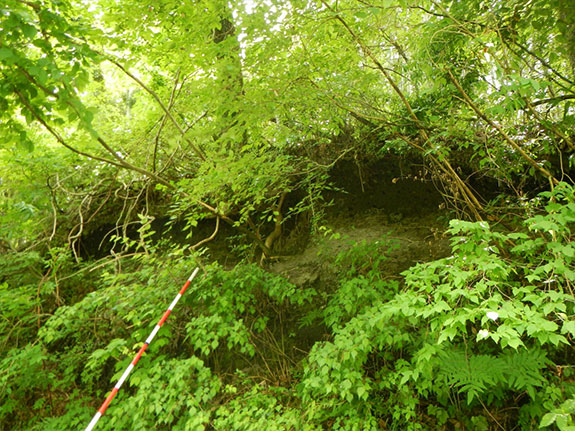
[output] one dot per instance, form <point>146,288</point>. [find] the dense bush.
<point>482,338</point>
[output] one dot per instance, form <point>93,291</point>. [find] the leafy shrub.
<point>461,340</point>
<point>505,297</point>
<point>229,323</point>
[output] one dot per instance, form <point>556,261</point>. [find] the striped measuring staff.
<point>128,370</point>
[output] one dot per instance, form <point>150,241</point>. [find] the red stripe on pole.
<point>130,367</point>
<point>183,289</point>
<point>139,354</point>
<point>164,317</point>
<point>108,400</point>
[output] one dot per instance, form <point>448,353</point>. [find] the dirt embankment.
<point>381,203</point>
<point>413,239</point>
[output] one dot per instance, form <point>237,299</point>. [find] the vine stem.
<point>492,417</point>
<point>276,233</point>
<point>208,239</point>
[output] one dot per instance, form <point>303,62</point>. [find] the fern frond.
<point>478,374</point>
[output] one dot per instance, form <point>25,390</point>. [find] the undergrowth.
<point>481,339</point>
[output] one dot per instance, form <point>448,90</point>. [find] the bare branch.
<point>163,122</point>
<point>208,239</point>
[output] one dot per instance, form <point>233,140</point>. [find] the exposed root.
<point>208,239</point>
<point>276,233</point>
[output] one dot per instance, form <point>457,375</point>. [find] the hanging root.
<point>276,233</point>
<point>211,237</point>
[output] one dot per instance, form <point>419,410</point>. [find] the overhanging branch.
<point>152,93</point>
<point>468,195</point>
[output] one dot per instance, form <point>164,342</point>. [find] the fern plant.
<point>491,375</point>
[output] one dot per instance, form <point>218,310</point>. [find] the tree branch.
<point>497,127</point>
<point>542,61</point>
<point>467,194</point>
<point>556,99</point>
<point>56,135</point>
<point>34,6</point>
<point>163,122</point>
<point>548,125</point>
<point>196,149</point>
<point>122,163</point>
<point>505,41</point>
<point>232,222</point>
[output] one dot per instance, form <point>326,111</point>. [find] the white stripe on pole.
<point>153,334</point>
<point>174,302</point>
<point>128,371</point>
<point>93,422</point>
<point>193,274</point>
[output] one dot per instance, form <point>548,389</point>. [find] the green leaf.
<point>29,30</point>
<point>26,145</point>
<point>6,53</point>
<point>568,327</point>
<point>361,14</point>
<point>548,419</point>
<point>362,393</point>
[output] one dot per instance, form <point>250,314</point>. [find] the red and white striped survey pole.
<point>108,400</point>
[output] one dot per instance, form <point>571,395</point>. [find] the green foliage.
<point>446,344</point>
<point>365,258</point>
<point>187,388</point>
<point>561,416</point>
<point>22,376</point>
<point>490,375</point>
<point>246,185</point>
<point>226,109</point>
<point>258,409</point>
<point>42,63</point>
<point>229,319</point>
<point>353,296</point>
<point>487,301</point>
<point>449,344</point>
<point>229,314</point>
